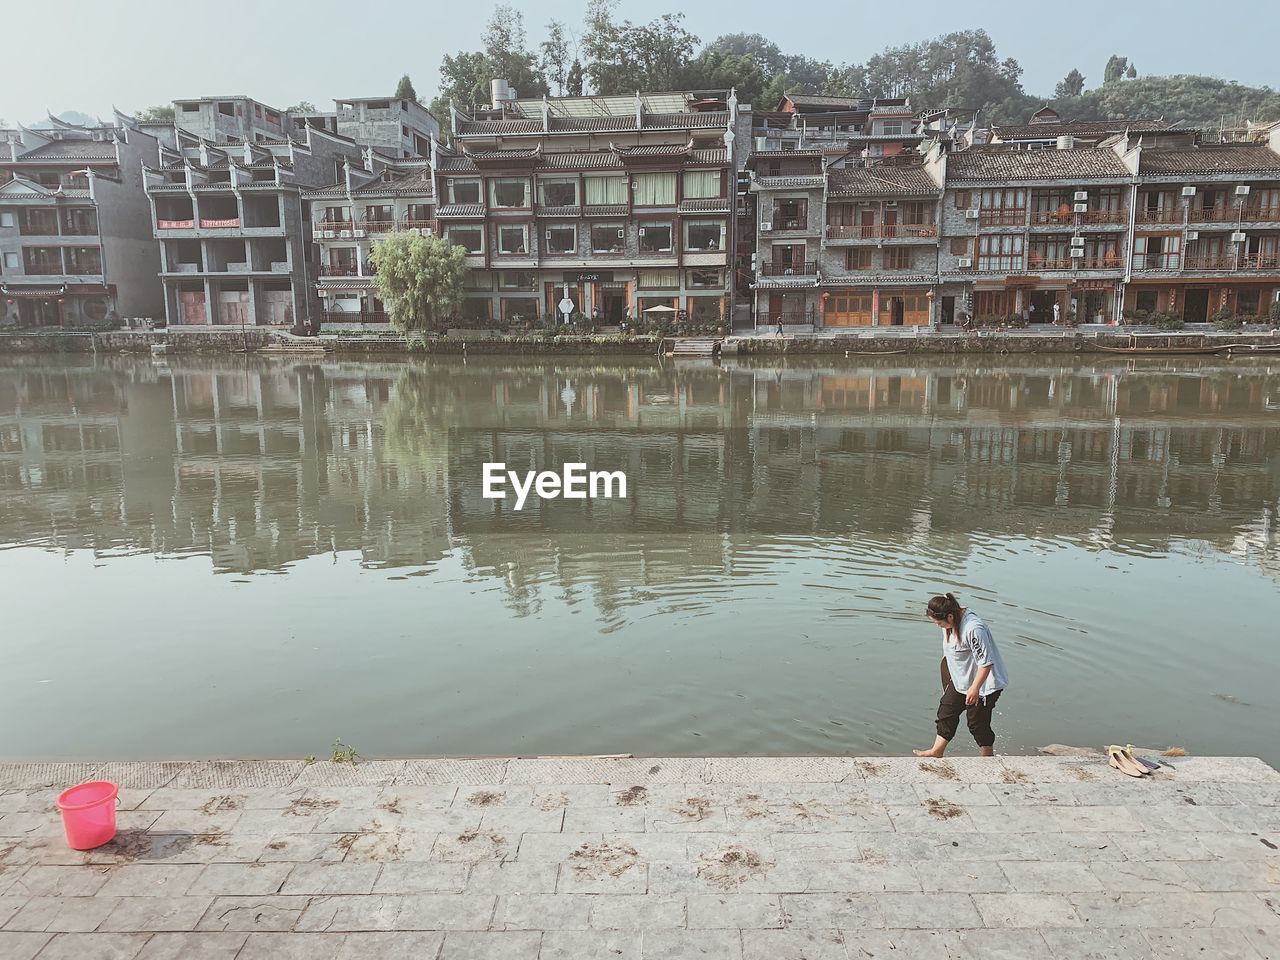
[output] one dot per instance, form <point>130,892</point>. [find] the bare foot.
<point>936,754</point>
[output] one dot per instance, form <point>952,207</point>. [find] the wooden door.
<point>233,307</point>
<point>868,221</point>
<point>890,223</point>
<point>277,307</point>
<point>193,307</point>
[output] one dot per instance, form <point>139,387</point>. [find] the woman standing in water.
<point>973,675</point>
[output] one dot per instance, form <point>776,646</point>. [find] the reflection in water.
<point>802,512</point>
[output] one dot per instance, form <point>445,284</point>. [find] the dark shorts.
<point>978,716</point>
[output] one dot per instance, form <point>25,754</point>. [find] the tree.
<point>1072,85</point>
<point>420,278</point>
<point>959,69</point>
<point>404,89</point>
<point>158,114</point>
<point>1131,73</point>
<point>1115,68</point>
<point>507,55</point>
<point>573,83</point>
<point>303,106</point>
<point>555,56</point>
<point>623,57</point>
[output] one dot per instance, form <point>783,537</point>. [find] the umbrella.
<point>660,308</point>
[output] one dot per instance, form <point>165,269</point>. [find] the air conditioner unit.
<point>327,234</point>
<point>1193,235</point>
<point>622,233</point>
<point>1242,190</point>
<point>1188,191</point>
<point>449,182</point>
<point>1077,251</point>
<point>360,233</point>
<point>964,263</point>
<point>642,231</point>
<point>766,227</point>
<point>1081,207</point>
<point>971,214</point>
<point>1077,241</point>
<point>1238,237</point>
<point>891,205</point>
<point>548,236</point>
<point>1082,196</point>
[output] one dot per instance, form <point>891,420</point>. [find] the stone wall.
<point>124,341</point>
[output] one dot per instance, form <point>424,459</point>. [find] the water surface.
<point>250,559</point>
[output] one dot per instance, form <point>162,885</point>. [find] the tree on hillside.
<point>508,56</point>
<point>1072,85</point>
<point>555,56</point>
<point>1199,102</point>
<point>404,89</point>
<point>303,106</point>
<point>420,278</point>
<point>623,57</point>
<point>1131,73</point>
<point>956,70</point>
<point>158,114</point>
<point>573,83</point>
<point>1115,68</point>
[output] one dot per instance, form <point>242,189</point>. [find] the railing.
<point>42,268</point>
<point>334,225</point>
<point>1217,214</point>
<point>1167,215</point>
<point>175,224</point>
<point>27,229</point>
<point>1228,264</point>
<point>1000,265</point>
<point>1157,261</point>
<point>1210,263</point>
<point>1012,217</point>
<point>1035,263</point>
<point>1105,216</point>
<point>790,223</point>
<point>1040,218</point>
<point>807,269</point>
<point>219,223</point>
<point>339,270</point>
<point>418,224</point>
<point>1260,261</point>
<point>790,316</point>
<point>79,229</point>
<point>353,316</point>
<point>84,269</point>
<point>1259,214</point>
<point>1104,262</point>
<point>379,226</point>
<point>881,231</point>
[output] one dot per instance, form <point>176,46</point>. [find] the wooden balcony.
<point>808,268</point>
<point>1218,214</point>
<point>335,225</point>
<point>882,231</point>
<point>1105,217</point>
<point>1035,264</point>
<point>1229,264</point>
<point>1260,215</point>
<point>1167,215</point>
<point>339,270</point>
<point>1158,261</point>
<point>1012,217</point>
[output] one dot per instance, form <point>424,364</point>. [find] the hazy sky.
<point>143,52</point>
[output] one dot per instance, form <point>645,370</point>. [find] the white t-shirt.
<point>974,649</point>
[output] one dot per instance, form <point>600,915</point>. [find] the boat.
<point>1163,351</point>
<point>1254,348</point>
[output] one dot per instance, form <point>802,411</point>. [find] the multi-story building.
<point>348,217</point>
<point>393,128</point>
<point>231,119</point>
<point>621,204</point>
<point>1206,227</point>
<point>1046,130</point>
<point>235,237</point>
<point>76,245</point>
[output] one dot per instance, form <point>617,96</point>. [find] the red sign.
<point>1092,285</point>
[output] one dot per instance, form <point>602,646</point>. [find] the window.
<point>470,239</point>
<point>379,104</point>
<point>84,260</point>
<point>509,192</point>
<point>791,214</point>
<point>659,279</point>
<point>1004,199</point>
<point>227,109</point>
<point>1000,252</point>
<point>703,236</point>
<point>513,239</point>
<point>858,258</point>
<point>655,189</point>
<point>478,280</point>
<point>11,260</point>
<point>960,246</point>
<point>475,309</point>
<point>558,192</point>
<point>701,184</point>
<point>994,303</point>
<point>1147,301</point>
<point>561,238</point>
<point>378,214</point>
<point>191,108</point>
<point>1247,303</point>
<point>418,213</point>
<point>608,238</point>
<point>655,238</point>
<point>606,190</point>
<point>464,191</point>
<point>41,260</point>
<point>337,214</point>
<point>517,309</point>
<point>6,219</point>
<point>897,258</point>
<point>706,278</point>
<point>516,280</point>
<point>964,199</point>
<point>892,128</point>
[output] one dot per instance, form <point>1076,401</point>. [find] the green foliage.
<point>573,83</point>
<point>1273,311</point>
<point>421,279</point>
<point>1115,68</point>
<point>959,70</point>
<point>303,106</point>
<point>1167,321</point>
<point>343,753</point>
<point>158,114</point>
<point>554,61</point>
<point>623,56</point>
<point>404,89</point>
<point>465,76</point>
<point>1199,102</point>
<point>1072,85</point>
<point>1223,320</point>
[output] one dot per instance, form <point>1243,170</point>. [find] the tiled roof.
<point>499,126</point>
<point>419,182</point>
<point>653,150</point>
<point>1079,128</point>
<point>590,124</point>
<point>457,165</point>
<point>995,164</point>
<point>586,160</point>
<point>845,103</point>
<point>460,210</point>
<point>718,155</point>
<point>1210,158</point>
<point>892,181</point>
<point>705,205</point>
<point>683,121</point>
<point>72,150</point>
<point>501,155</point>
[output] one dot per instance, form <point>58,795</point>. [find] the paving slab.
<point>823,858</point>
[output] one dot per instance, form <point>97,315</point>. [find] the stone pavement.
<point>775,859</point>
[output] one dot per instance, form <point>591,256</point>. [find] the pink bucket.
<point>89,814</point>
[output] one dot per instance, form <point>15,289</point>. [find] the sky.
<point>142,52</point>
